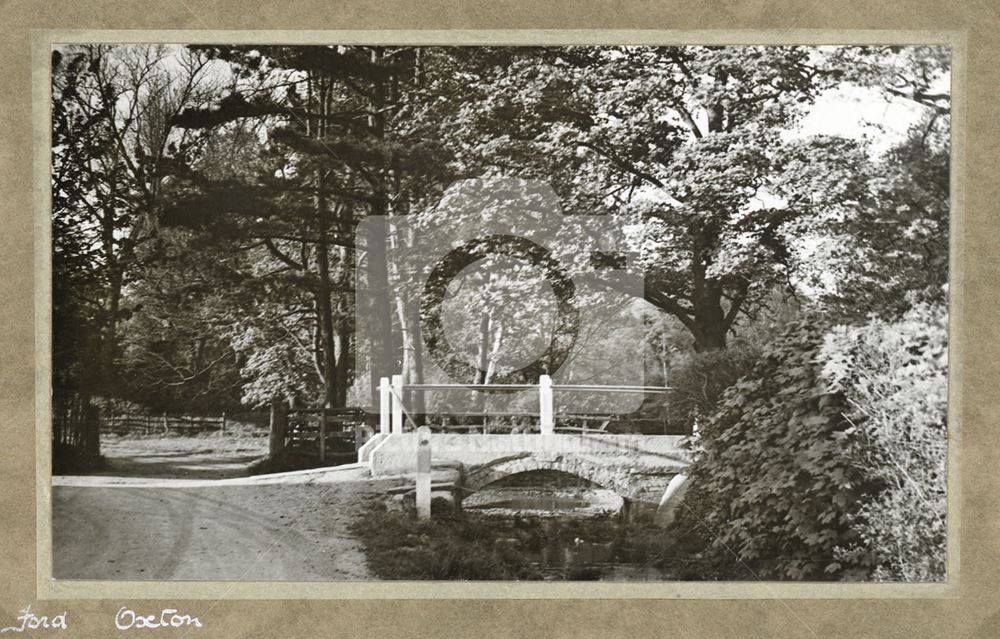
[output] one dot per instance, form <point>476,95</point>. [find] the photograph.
<point>499,312</point>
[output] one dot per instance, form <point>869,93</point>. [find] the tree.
<point>113,146</point>
<point>343,122</point>
<point>893,249</point>
<point>691,148</point>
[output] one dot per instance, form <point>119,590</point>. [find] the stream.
<point>570,529</point>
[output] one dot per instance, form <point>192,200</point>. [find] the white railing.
<point>392,409</point>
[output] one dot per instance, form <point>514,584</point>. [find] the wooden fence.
<point>75,424</point>
<point>163,424</point>
<point>328,433</point>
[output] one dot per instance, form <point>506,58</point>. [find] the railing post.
<point>359,435</point>
<point>397,404</point>
<point>423,488</point>
<point>384,405</point>
<point>322,435</point>
<point>546,419</point>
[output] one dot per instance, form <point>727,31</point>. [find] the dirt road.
<point>116,528</point>
<point>205,456</point>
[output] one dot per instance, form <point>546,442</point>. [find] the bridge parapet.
<point>635,466</point>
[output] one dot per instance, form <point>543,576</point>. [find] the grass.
<point>292,459</point>
<point>399,546</point>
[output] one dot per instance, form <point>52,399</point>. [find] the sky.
<point>850,111</point>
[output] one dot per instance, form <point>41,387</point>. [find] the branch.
<point>281,256</point>
<point>686,115</point>
<point>622,164</point>
<point>736,303</point>
<point>651,294</point>
<point>925,99</point>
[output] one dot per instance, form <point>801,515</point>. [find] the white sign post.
<point>546,418</point>
<point>384,405</point>
<point>397,404</point>
<point>423,473</point>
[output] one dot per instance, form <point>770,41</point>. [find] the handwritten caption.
<point>125,619</point>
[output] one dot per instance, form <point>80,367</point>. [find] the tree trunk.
<point>710,337</point>
<point>483,359</point>
<point>420,401</point>
<point>346,307</point>
<point>710,325</point>
<point>381,346</point>
<point>327,337</point>
<point>412,363</point>
<point>112,305</point>
<point>276,440</point>
<point>344,361</point>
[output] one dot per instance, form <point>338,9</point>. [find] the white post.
<point>397,405</point>
<point>423,497</point>
<point>545,405</point>
<point>384,405</point>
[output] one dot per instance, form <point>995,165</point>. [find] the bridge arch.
<point>614,479</point>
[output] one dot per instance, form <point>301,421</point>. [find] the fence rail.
<point>392,409</point>
<point>149,424</point>
<point>332,430</point>
<point>321,431</point>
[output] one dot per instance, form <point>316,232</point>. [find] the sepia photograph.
<point>498,313</point>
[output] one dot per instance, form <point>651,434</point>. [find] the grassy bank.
<point>470,546</point>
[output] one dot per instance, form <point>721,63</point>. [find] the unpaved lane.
<point>266,532</point>
<point>206,456</point>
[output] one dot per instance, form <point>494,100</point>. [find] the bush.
<point>775,483</point>
<point>895,378</point>
<point>697,383</point>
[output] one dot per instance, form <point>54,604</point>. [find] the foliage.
<point>344,137</point>
<point>689,148</point>
<point>401,547</point>
<point>776,486</point>
<point>176,355</point>
<point>112,148</point>
<point>829,459</point>
<point>699,380</point>
<point>473,546</point>
<point>894,375</point>
<point>895,246</point>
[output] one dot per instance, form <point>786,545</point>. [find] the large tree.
<point>113,146</point>
<point>345,127</point>
<point>693,148</point>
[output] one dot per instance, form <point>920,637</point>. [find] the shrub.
<point>774,480</point>
<point>895,378</point>
<point>697,383</point>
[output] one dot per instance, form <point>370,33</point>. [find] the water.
<point>542,502</point>
<point>569,531</point>
<point>530,503</point>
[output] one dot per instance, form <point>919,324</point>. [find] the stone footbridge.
<point>637,467</point>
